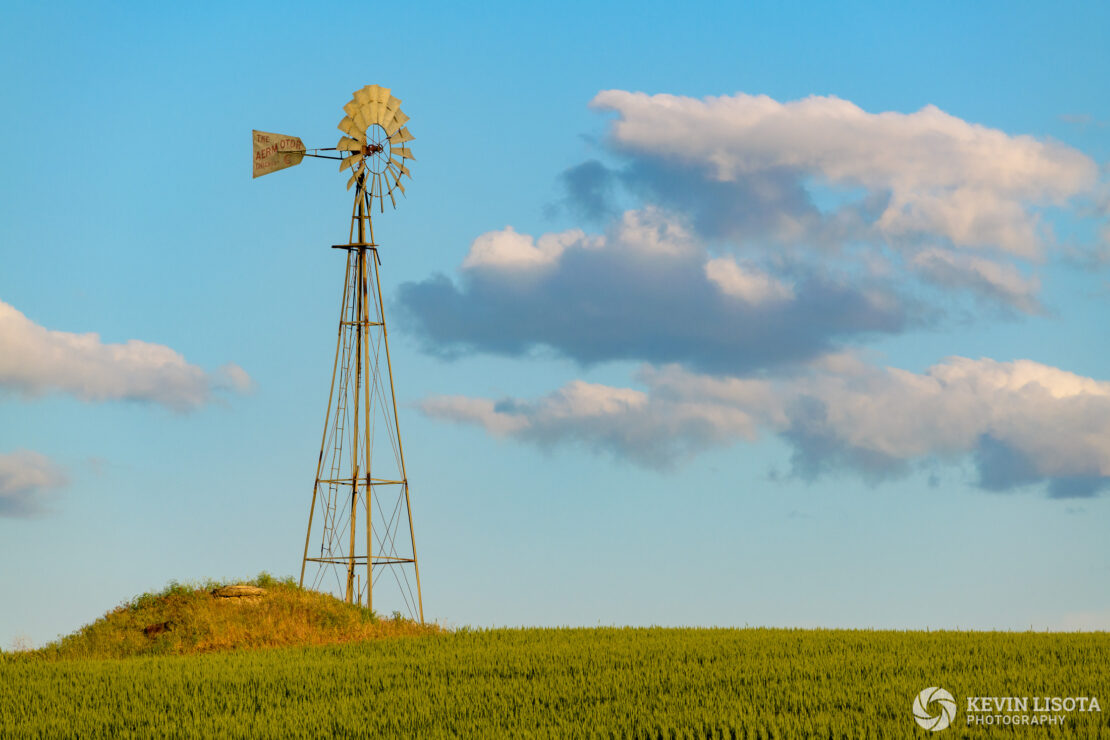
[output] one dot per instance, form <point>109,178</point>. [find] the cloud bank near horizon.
<point>1019,423</point>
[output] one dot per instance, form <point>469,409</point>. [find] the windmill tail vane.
<point>273,152</point>
<point>360,509</point>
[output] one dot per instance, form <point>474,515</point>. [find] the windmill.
<point>360,520</point>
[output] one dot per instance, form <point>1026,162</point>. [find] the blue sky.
<point>706,377</point>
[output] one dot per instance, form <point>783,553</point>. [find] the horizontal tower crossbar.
<point>373,481</point>
<point>361,560</point>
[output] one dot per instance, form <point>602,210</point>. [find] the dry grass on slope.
<point>191,619</point>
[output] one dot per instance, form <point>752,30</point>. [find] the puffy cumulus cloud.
<point>1020,422</point>
<point>510,252</point>
<point>645,290</point>
<point>35,360</point>
<point>27,482</point>
<point>933,174</point>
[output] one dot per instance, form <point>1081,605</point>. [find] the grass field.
<point>607,682</point>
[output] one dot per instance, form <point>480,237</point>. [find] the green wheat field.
<point>397,681</point>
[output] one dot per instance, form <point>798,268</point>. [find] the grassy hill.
<point>185,619</point>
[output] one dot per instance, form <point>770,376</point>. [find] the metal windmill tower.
<point>360,521</point>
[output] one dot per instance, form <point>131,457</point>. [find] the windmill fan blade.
<point>354,178</point>
<point>381,112</point>
<point>347,144</point>
<point>402,151</point>
<point>395,178</point>
<point>368,100</point>
<point>363,99</point>
<point>392,177</point>
<point>399,119</point>
<point>348,126</point>
<point>402,167</point>
<point>362,120</point>
<point>388,110</point>
<point>350,161</point>
<point>377,95</point>
<point>371,112</point>
<point>368,114</point>
<point>401,136</point>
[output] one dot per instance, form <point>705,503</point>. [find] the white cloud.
<point>627,422</point>
<point>972,185</point>
<point>1039,421</point>
<point>27,480</point>
<point>1021,422</point>
<point>1018,376</point>
<point>477,410</point>
<point>651,231</point>
<point>509,251</point>
<point>509,254</point>
<point>647,289</point>
<point>35,360</point>
<point>747,284</point>
<point>715,268</point>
